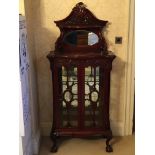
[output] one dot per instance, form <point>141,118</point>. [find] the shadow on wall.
<point>44,40</point>
<point>116,99</point>
<point>117,77</point>
<point>105,32</point>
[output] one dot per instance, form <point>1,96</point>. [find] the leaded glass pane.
<point>69,97</point>
<point>93,104</point>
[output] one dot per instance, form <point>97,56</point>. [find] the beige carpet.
<point>75,146</point>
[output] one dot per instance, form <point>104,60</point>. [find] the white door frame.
<point>130,73</point>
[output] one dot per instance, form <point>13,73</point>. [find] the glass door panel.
<point>93,103</point>
<point>68,98</point>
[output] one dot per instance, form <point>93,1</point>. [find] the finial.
<point>80,4</point>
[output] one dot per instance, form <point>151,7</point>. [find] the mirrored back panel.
<point>81,38</point>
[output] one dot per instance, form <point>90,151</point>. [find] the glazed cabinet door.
<point>94,97</point>
<point>79,97</point>
<point>68,97</point>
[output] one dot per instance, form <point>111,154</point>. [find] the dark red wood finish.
<point>81,56</point>
<point>81,97</point>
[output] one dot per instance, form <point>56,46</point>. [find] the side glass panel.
<point>69,97</point>
<point>93,104</point>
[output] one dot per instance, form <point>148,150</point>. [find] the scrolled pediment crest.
<point>81,16</point>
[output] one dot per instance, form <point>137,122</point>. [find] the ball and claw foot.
<point>109,148</point>
<point>54,149</point>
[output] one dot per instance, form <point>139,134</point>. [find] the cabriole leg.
<point>108,146</point>
<point>54,137</point>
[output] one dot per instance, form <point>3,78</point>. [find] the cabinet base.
<point>54,137</point>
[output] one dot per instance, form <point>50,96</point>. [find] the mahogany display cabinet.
<point>81,66</point>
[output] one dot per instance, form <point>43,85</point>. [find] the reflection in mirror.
<point>81,37</point>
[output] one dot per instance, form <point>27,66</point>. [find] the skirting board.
<point>36,143</point>
<point>117,128</point>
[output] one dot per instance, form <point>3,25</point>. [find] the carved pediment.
<point>80,17</point>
